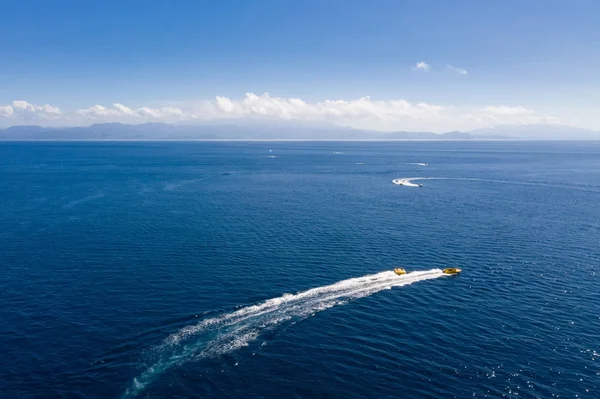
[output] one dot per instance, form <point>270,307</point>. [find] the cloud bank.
<point>363,112</point>
<point>22,110</point>
<point>120,110</point>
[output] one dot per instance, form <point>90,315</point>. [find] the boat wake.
<point>408,181</point>
<point>215,336</point>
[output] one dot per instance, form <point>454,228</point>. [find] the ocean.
<point>263,270</point>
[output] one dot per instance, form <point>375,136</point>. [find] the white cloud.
<point>169,111</point>
<point>28,110</point>
<point>224,104</point>
<point>423,66</point>
<point>460,71</point>
<point>123,111</point>
<point>98,111</point>
<point>363,112</point>
<point>360,112</point>
<point>148,112</point>
<point>22,106</point>
<point>6,111</point>
<point>506,110</point>
<point>512,115</point>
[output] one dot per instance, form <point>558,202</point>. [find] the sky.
<point>383,64</point>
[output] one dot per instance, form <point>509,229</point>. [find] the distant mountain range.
<point>540,132</point>
<point>162,131</point>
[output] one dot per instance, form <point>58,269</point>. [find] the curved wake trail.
<point>228,332</point>
<point>408,181</point>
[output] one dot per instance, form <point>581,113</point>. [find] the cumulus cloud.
<point>122,111</point>
<point>363,112</point>
<point>360,112</point>
<point>460,71</point>
<point>367,113</point>
<point>422,66</point>
<point>6,111</point>
<point>98,111</point>
<point>25,110</point>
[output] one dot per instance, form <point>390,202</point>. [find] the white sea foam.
<point>408,181</point>
<point>418,164</point>
<point>228,332</point>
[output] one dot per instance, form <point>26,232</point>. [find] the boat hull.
<point>452,271</point>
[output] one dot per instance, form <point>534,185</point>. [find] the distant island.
<point>162,131</point>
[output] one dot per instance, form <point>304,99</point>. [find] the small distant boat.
<point>406,182</point>
<point>399,271</point>
<point>452,270</point>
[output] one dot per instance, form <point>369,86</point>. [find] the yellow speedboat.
<point>399,271</point>
<point>452,270</point>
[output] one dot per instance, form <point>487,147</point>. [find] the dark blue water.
<point>142,270</point>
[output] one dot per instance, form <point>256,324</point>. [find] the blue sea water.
<point>262,270</point>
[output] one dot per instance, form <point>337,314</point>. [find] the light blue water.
<point>236,270</point>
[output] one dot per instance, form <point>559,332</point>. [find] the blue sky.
<point>350,62</point>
